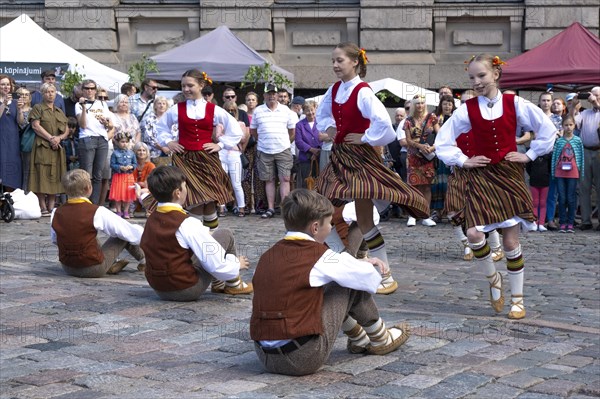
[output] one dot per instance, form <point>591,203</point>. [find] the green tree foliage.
<point>138,70</point>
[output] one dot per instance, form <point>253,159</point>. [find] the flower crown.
<point>496,61</point>
<point>362,54</point>
<point>207,78</point>
<point>123,135</point>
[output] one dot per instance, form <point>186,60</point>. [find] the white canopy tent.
<point>26,48</point>
<point>405,91</point>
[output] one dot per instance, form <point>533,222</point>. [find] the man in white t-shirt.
<point>96,128</point>
<point>273,126</point>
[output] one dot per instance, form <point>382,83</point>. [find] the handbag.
<point>311,181</point>
<point>27,138</point>
<point>429,140</point>
<point>244,159</point>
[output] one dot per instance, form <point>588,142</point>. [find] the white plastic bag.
<point>26,206</point>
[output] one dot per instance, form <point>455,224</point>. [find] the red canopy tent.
<point>571,58</point>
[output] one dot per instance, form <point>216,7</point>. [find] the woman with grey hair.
<point>158,154</point>
<point>126,122</point>
<point>48,162</point>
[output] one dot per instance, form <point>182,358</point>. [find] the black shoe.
<point>586,226</point>
<point>552,226</point>
<point>598,228</point>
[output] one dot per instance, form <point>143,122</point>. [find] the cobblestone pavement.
<point>63,337</point>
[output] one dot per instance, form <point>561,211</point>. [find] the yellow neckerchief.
<point>170,207</point>
<point>297,235</point>
<point>79,200</point>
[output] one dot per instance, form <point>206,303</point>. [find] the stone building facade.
<point>420,41</point>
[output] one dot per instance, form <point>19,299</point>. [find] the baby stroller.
<point>7,211</point>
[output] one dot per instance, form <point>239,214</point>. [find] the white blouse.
<point>196,109</point>
<point>529,116</point>
<point>379,133</point>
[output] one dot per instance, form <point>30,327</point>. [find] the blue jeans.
<point>92,158</point>
<point>551,201</point>
<point>567,198</point>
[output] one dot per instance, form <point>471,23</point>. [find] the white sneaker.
<point>542,228</point>
<point>534,227</point>
<point>428,222</point>
<point>411,221</point>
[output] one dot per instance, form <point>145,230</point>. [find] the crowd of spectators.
<point>281,148</point>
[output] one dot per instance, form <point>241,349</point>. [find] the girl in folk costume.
<point>496,195</point>
<point>193,150</point>
<point>454,203</point>
<point>356,120</point>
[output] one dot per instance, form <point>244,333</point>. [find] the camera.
<point>584,96</point>
<point>15,95</point>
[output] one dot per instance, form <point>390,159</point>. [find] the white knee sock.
<point>458,233</point>
<point>515,265</point>
<point>483,255</point>
<point>376,244</point>
<point>494,240</point>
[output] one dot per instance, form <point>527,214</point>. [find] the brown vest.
<point>285,306</point>
<point>168,265</point>
<point>76,235</point>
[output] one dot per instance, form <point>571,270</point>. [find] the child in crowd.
<point>305,292</point>
<point>496,195</point>
<point>123,163</point>
<point>183,256</point>
<point>567,169</point>
<point>70,144</point>
<point>74,229</point>
<point>539,183</point>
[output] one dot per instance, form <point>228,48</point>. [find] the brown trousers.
<point>225,238</point>
<point>112,248</point>
<point>338,302</point>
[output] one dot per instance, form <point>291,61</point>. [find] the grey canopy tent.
<point>219,53</point>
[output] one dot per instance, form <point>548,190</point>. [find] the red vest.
<point>284,305</point>
<point>194,133</point>
<point>497,137</point>
<point>464,142</point>
<point>168,265</point>
<point>348,118</point>
<point>76,235</point>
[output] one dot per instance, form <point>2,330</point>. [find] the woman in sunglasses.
<point>96,128</point>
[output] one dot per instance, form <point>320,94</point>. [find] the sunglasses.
<point>230,97</point>
<point>90,88</point>
<point>153,87</point>
<point>102,97</point>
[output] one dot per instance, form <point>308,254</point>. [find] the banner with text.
<point>24,72</point>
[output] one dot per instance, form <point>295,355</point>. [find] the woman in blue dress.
<point>10,151</point>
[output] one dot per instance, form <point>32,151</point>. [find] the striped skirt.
<point>357,172</point>
<point>496,193</point>
<point>454,205</point>
<point>206,180</point>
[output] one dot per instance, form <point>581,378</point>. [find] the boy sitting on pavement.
<point>74,229</point>
<point>182,255</point>
<point>304,293</point>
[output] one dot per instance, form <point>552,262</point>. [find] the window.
<point>319,2</point>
